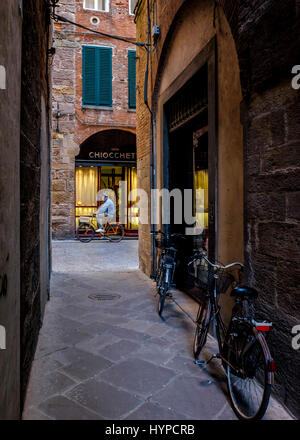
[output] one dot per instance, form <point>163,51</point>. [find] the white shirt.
<point>108,207</point>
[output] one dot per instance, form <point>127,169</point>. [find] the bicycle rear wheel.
<point>85,233</point>
<point>115,233</point>
<point>203,320</point>
<point>247,375</point>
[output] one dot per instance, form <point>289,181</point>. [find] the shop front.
<point>107,162</point>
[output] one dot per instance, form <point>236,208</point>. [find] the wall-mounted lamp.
<point>57,115</point>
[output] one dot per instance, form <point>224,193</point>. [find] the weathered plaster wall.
<point>10,94</point>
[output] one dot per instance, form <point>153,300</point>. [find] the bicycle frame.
<point>93,223</point>
<point>216,319</point>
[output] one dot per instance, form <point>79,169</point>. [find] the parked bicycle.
<point>242,347</point>
<point>166,266</point>
<point>86,230</point>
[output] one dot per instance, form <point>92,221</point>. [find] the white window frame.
<point>129,5</point>
<point>107,4</point>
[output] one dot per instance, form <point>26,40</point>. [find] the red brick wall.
<point>117,22</point>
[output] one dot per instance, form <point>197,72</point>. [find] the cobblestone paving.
<point>118,360</point>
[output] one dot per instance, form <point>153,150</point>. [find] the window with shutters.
<point>97,76</point>
<point>96,5</point>
<point>132,79</point>
<point>132,4</point>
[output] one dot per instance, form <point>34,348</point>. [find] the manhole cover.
<point>104,296</point>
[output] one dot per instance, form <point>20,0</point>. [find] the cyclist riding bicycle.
<point>105,213</point>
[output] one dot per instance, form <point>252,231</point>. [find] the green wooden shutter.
<point>132,79</point>
<point>105,76</point>
<point>97,76</point>
<point>89,75</point>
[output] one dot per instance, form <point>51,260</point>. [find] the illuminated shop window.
<point>90,180</point>
<point>96,5</point>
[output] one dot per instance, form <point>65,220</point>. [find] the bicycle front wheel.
<point>247,375</point>
<point>115,233</point>
<point>163,290</point>
<point>85,233</point>
<point>203,320</point>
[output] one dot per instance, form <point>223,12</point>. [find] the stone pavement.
<point>98,255</point>
<point>116,359</point>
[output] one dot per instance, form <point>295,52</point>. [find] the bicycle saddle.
<point>244,291</point>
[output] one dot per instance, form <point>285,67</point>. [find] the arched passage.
<point>105,160</point>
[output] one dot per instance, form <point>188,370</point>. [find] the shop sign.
<point>112,155</point>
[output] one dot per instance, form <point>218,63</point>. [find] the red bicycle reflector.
<point>272,366</point>
<point>263,326</point>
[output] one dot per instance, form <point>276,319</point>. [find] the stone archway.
<point>106,160</point>
<point>177,60</point>
<point>105,140</point>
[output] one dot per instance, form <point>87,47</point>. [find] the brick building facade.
<point>246,51</point>
<point>24,191</point>
<point>83,119</point>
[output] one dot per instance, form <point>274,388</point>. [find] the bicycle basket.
<point>224,280</point>
<point>206,276</point>
<point>84,220</point>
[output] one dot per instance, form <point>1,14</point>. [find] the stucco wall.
<point>10,59</point>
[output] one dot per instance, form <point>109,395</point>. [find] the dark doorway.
<point>190,158</point>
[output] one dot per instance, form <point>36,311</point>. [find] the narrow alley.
<point>104,353</point>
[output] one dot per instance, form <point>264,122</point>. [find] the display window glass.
<point>91,179</point>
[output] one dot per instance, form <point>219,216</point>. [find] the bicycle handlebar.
<point>217,266</point>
